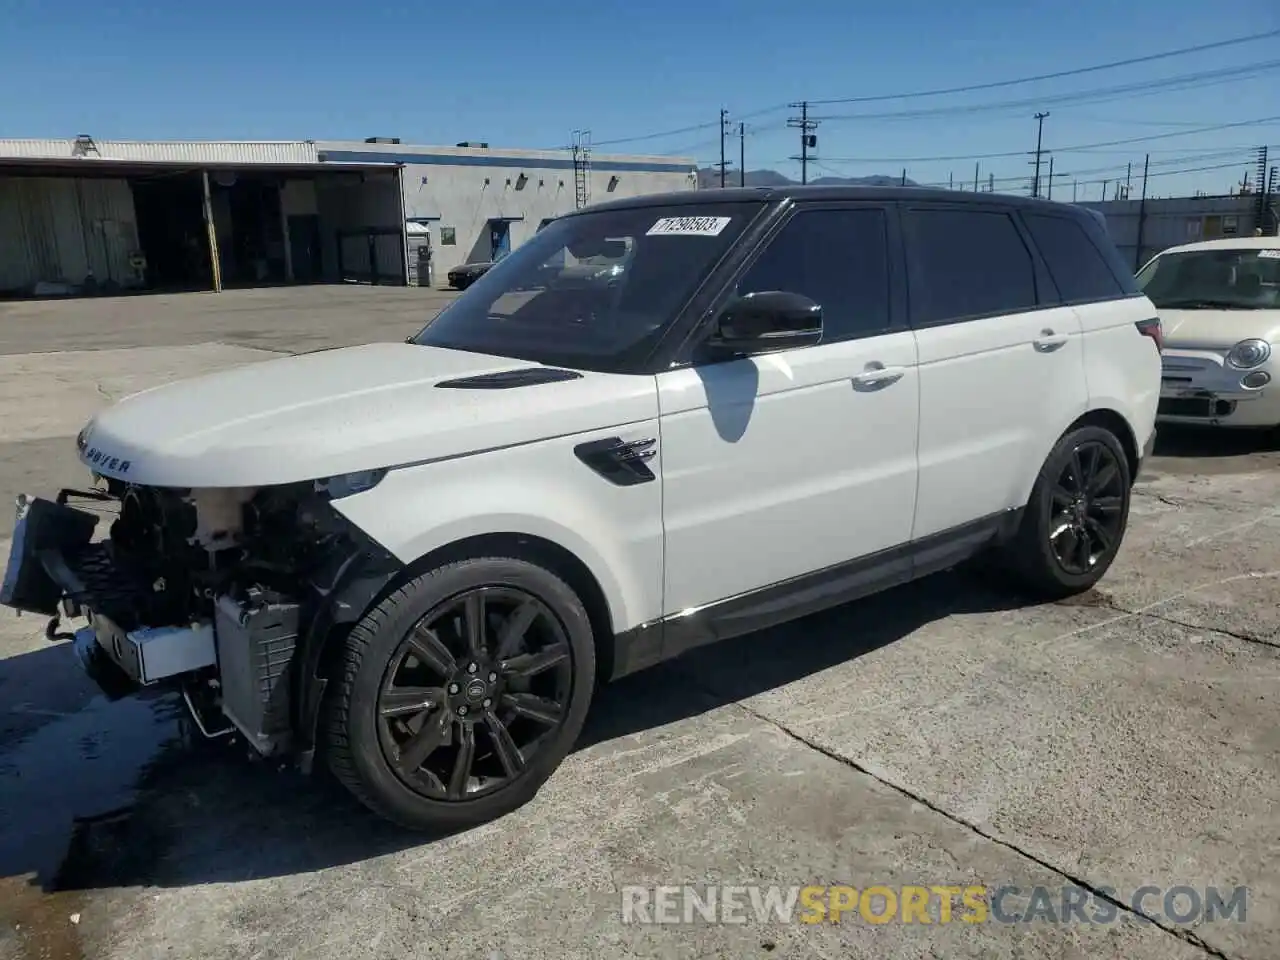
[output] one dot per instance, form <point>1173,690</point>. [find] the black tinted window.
<point>967,263</point>
<point>1077,267</point>
<point>837,258</point>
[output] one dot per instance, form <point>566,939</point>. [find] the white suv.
<point>418,558</point>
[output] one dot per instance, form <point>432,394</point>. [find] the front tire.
<point>1076,517</point>
<point>461,693</point>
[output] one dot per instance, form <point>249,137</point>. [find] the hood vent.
<point>507,379</point>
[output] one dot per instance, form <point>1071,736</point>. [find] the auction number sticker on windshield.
<point>689,227</point>
<point>1269,254</point>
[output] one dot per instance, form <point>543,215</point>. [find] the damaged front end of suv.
<point>228,595</point>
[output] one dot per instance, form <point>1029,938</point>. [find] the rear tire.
<point>461,693</point>
<point>1075,520</point>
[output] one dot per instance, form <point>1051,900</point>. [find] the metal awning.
<point>93,167</point>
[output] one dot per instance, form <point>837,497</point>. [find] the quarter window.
<point>837,258</point>
<point>1073,259</point>
<point>967,263</point>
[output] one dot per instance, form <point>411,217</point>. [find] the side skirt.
<point>651,643</point>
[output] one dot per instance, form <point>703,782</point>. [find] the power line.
<point>695,128</point>
<point>1160,173</point>
<point>1072,149</point>
<point>1194,157</point>
<point>1057,75</point>
<point>1167,84</point>
<point>1153,86</point>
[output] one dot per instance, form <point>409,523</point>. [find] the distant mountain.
<point>710,177</point>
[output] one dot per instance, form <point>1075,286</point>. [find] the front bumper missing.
<point>53,565</point>
<point>45,535</point>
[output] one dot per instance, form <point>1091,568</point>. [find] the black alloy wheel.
<point>1075,518</point>
<point>477,687</point>
<point>460,693</point>
<point>1087,507</point>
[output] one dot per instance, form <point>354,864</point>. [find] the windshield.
<point>1224,279</point>
<point>594,290</point>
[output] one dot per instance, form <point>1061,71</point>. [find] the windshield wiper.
<point>1201,303</point>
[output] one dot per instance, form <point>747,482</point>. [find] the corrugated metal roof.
<point>164,151</point>
<point>516,154</point>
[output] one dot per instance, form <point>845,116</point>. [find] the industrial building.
<point>82,215</point>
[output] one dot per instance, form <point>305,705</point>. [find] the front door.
<point>499,239</point>
<point>784,464</point>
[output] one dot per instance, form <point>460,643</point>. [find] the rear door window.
<point>1078,268</point>
<point>966,263</point>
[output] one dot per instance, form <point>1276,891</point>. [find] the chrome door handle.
<point>877,375</point>
<point>1049,341</point>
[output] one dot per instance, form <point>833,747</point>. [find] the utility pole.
<point>904,177</point>
<point>724,116</point>
<point>1050,190</point>
<point>808,139</point>
<point>1142,215</point>
<point>742,154</point>
<point>1104,188</point>
<point>991,183</point>
<point>1128,179</point>
<point>976,168</point>
<point>1075,184</point>
<point>1035,182</point>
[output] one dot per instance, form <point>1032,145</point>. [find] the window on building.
<point>1079,270</point>
<point>965,264</point>
<point>837,258</point>
<point>448,236</point>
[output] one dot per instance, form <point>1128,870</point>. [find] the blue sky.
<point>526,75</point>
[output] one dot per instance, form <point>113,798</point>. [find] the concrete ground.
<point>941,734</point>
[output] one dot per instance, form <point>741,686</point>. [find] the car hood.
<point>341,411</point>
<point>1217,329</point>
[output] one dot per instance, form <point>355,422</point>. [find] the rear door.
<point>1000,361</point>
<point>1122,371</point>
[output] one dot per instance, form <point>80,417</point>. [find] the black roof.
<point>825,192</point>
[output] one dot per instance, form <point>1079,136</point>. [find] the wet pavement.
<point>942,733</point>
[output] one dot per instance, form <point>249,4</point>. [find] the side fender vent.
<point>508,379</point>
<point>619,461</point>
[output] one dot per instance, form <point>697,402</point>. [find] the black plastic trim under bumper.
<point>106,674</point>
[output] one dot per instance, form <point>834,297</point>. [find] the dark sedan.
<point>465,274</point>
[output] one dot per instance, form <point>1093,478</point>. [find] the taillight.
<point>1152,328</point>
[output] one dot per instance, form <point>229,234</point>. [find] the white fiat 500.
<point>659,423</point>
<point>1219,304</point>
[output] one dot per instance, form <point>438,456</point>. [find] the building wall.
<point>461,190</point>
<point>1168,222</point>
<point>65,230</point>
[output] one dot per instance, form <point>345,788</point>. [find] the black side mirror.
<point>767,321</point>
